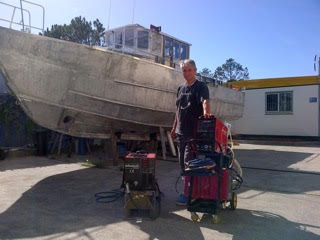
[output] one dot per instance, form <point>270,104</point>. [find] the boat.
<point>84,91</point>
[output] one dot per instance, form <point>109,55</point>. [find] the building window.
<point>129,37</point>
<point>118,39</point>
<point>143,39</point>
<point>279,102</point>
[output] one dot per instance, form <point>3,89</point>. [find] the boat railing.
<point>208,80</point>
<point>25,27</point>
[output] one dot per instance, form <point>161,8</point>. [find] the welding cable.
<point>109,196</point>
<point>177,181</point>
<point>237,178</point>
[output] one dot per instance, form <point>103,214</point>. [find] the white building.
<point>280,106</point>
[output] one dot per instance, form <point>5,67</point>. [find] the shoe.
<point>182,200</point>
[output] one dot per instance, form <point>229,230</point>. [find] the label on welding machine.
<point>134,166</point>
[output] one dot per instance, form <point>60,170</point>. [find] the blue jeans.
<point>185,153</point>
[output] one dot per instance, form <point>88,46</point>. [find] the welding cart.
<point>210,179</point>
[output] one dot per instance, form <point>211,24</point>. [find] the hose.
<point>109,196</point>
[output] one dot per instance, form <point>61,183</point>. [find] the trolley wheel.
<point>215,219</point>
<point>155,211</point>
<point>234,201</point>
<point>194,217</point>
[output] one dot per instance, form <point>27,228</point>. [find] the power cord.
<point>238,179</point>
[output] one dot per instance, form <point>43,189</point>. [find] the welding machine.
<point>210,181</point>
<point>211,135</point>
<point>142,192</point>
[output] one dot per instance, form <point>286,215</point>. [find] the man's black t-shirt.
<point>189,106</point>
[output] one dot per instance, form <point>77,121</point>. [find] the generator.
<point>209,178</point>
<point>142,192</point>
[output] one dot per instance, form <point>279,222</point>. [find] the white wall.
<point>303,122</point>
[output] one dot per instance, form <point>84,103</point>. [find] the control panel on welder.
<point>205,135</point>
<point>139,171</point>
<point>210,135</point>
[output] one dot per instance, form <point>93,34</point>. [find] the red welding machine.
<point>139,171</point>
<point>209,177</point>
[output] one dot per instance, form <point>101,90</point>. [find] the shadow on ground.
<point>65,203</point>
<point>281,160</point>
<point>97,157</point>
<point>278,181</point>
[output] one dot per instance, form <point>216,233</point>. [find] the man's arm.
<point>173,130</point>
<point>206,107</point>
<point>204,98</point>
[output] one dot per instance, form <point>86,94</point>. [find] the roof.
<point>277,82</point>
<point>137,25</point>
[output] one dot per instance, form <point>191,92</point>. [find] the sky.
<point>272,38</point>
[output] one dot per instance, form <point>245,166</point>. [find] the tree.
<point>80,31</point>
<point>231,71</point>
<point>206,75</point>
<point>206,72</point>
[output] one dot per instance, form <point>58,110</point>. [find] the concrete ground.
<point>45,198</point>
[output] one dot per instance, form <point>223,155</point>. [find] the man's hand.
<point>207,115</point>
<point>206,109</point>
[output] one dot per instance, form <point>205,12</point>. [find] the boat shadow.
<point>64,203</point>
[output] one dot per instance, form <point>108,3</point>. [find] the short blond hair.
<point>188,62</point>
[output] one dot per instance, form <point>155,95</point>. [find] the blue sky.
<point>272,38</point>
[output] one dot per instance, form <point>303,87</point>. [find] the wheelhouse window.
<point>143,39</point>
<point>129,37</point>
<point>279,102</point>
<point>118,39</point>
<point>176,50</point>
<point>183,51</point>
<point>168,47</point>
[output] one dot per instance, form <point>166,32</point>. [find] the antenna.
<point>109,14</point>
<point>134,4</point>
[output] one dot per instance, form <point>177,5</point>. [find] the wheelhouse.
<point>148,43</point>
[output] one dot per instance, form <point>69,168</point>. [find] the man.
<point>192,102</point>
